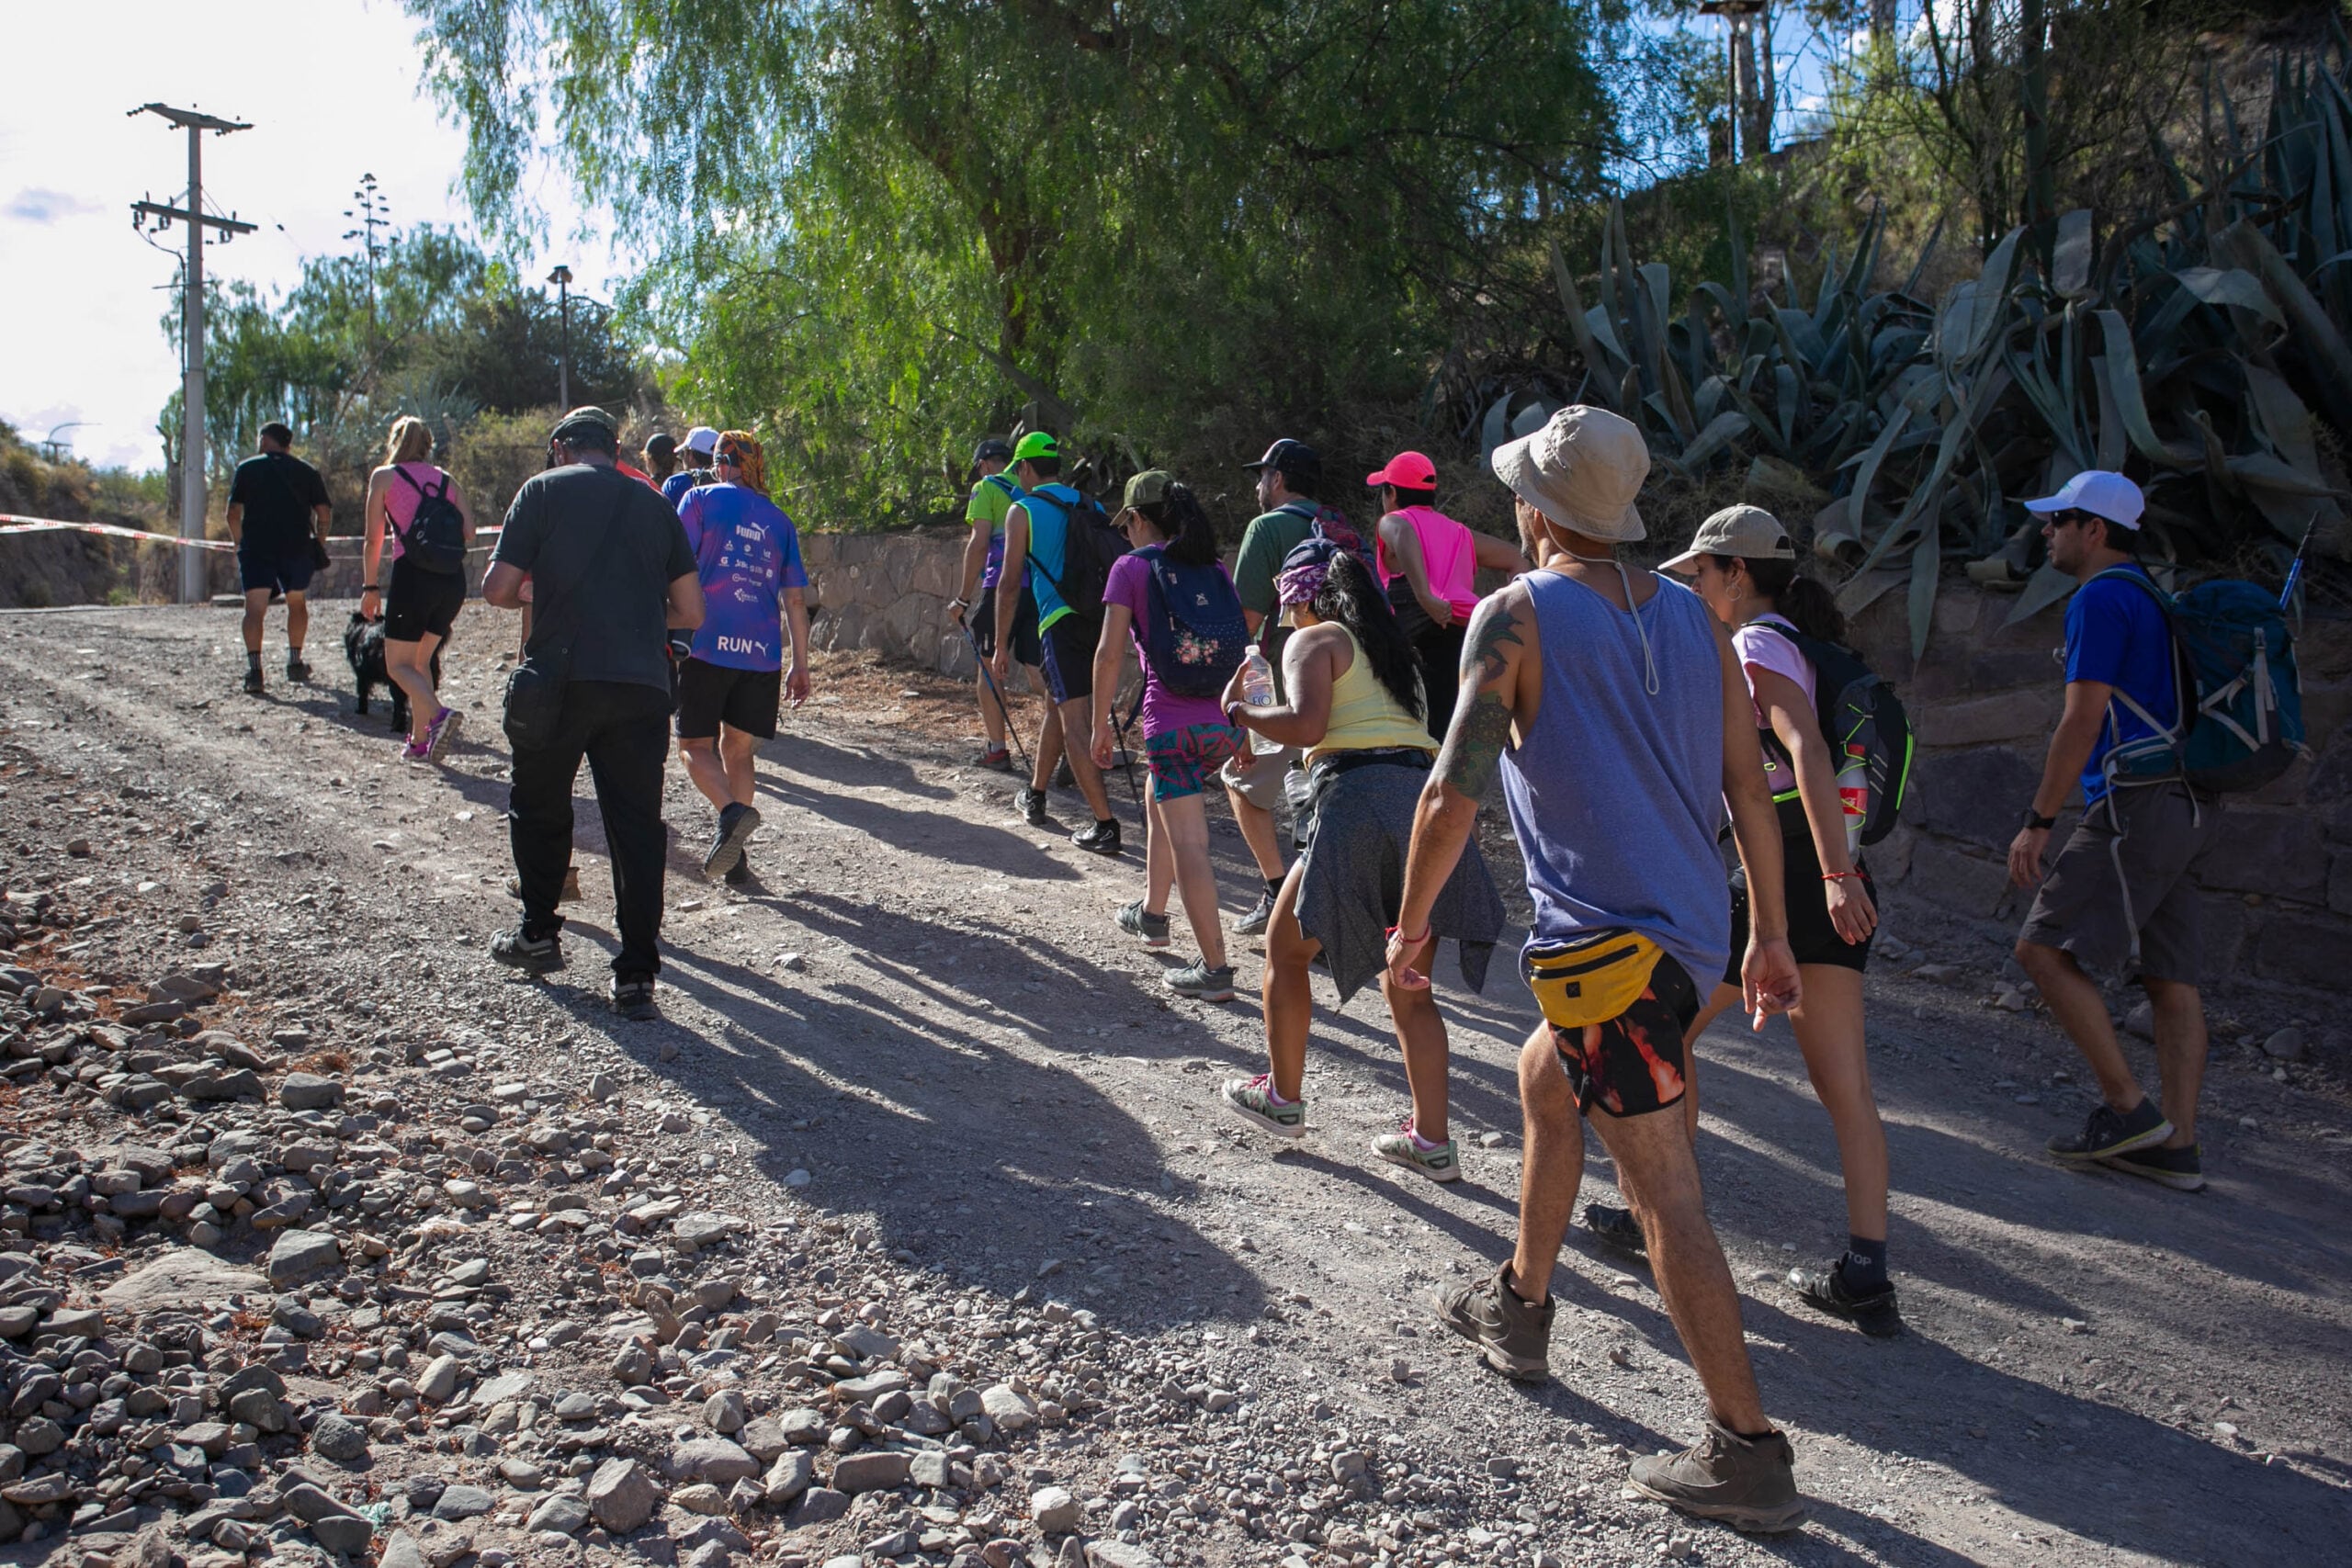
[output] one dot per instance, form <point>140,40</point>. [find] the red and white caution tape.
<point>11,524</point>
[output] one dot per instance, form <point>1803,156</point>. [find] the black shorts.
<point>981,618</point>
<point>1069,657</point>
<point>1811,936</point>
<point>713,694</point>
<point>1633,1063</point>
<point>288,573</point>
<point>417,602</point>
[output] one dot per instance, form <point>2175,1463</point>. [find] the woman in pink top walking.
<point>1429,565</point>
<point>421,605</point>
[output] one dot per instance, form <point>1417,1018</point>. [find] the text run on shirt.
<point>748,553</point>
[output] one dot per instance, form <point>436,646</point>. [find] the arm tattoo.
<point>1481,729</point>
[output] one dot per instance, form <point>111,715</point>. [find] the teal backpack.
<point>2241,696</point>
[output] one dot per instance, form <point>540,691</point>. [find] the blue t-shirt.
<point>675,487</point>
<point>748,553</point>
<point>2116,634</point>
<point>1048,534</point>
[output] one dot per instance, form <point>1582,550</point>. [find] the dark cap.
<point>662,444</point>
<point>995,446</point>
<point>584,420</point>
<point>1292,459</point>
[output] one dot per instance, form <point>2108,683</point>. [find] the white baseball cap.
<point>2098,493</point>
<point>702,439</point>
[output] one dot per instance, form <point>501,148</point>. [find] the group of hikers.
<point>1639,721</point>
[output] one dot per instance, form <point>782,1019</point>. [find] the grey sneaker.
<point>1749,1483</point>
<point>1030,804</point>
<point>1200,982</point>
<point>1151,930</point>
<point>1253,1100</point>
<point>519,949</point>
<point>1405,1147</point>
<point>1513,1337</point>
<point>1254,922</point>
<point>1825,1290</point>
<point>2109,1133</point>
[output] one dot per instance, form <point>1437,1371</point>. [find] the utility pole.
<point>561,278</point>
<point>1751,122</point>
<point>192,572</point>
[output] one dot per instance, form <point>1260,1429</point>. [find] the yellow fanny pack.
<point>1591,977</point>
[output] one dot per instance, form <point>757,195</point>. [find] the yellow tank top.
<point>1364,717</point>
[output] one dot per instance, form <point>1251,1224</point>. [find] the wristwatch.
<point>2038,822</point>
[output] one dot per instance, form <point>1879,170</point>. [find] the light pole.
<point>561,278</point>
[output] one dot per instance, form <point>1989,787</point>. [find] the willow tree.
<point>884,225</point>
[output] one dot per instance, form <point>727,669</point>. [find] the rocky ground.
<point>910,1231</point>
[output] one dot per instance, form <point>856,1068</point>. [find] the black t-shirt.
<point>278,490</point>
<point>602,550</point>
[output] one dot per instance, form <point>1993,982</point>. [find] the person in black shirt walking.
<point>609,576</point>
<point>279,513</point>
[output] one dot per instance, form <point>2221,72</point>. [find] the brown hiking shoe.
<point>1749,1483</point>
<point>1511,1335</point>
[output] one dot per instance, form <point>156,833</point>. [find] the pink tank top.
<point>1448,554</point>
<point>399,503</point>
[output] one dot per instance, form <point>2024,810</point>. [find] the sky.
<point>331,88</point>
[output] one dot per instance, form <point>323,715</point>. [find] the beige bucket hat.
<point>1582,470</point>
<point>1747,532</point>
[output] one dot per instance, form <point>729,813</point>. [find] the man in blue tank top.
<point>1615,709</point>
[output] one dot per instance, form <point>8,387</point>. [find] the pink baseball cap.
<point>1407,470</point>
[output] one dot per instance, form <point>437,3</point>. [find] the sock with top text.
<point>1864,1265</point>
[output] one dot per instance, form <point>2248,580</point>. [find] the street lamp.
<point>561,278</point>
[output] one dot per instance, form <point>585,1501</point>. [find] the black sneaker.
<point>2179,1168</point>
<point>253,684</point>
<point>736,825</point>
<point>1063,777</point>
<point>1825,1290</point>
<point>633,999</point>
<point>536,954</point>
<point>740,873</point>
<point>297,670</point>
<point>1617,1229</point>
<point>1103,838</point>
<point>1030,804</point>
<point>2109,1133</point>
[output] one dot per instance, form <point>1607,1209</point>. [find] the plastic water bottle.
<point>1854,795</point>
<point>1258,690</point>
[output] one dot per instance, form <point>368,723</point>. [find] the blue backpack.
<point>2241,696</point>
<point>1195,637</point>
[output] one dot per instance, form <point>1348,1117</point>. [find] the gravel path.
<point>958,1140</point>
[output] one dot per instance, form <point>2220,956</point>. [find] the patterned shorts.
<point>1633,1063</point>
<point>1185,761</point>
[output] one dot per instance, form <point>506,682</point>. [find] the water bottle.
<point>1258,690</point>
<point>1854,795</point>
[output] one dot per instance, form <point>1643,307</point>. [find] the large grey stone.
<point>1011,1410</point>
<point>460,1500</point>
<point>1118,1554</point>
<point>401,1552</point>
<point>1973,793</point>
<point>873,1470</point>
<point>788,1477</point>
<point>818,1505</point>
<point>718,1460</point>
<point>1054,1511</point>
<point>298,1256</point>
<point>346,1535</point>
<point>703,1228</point>
<point>562,1512</point>
<point>2306,949</point>
<point>1967,883</point>
<point>440,1379</point>
<point>2276,854</point>
<point>622,1494</point>
<point>339,1438</point>
<point>309,1091</point>
<point>181,1278</point>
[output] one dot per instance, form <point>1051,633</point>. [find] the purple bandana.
<point>1300,584</point>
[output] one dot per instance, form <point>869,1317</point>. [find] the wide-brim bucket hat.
<point>1582,470</point>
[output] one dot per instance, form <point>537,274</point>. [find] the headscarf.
<point>1304,571</point>
<point>750,456</point>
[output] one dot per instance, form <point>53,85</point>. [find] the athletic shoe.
<point>1030,804</point>
<point>1513,1337</point>
<point>736,825</point>
<point>2109,1133</point>
<point>297,670</point>
<point>1254,922</point>
<point>633,999</point>
<point>1825,1290</point>
<point>740,873</point>
<point>253,684</point>
<point>1103,838</point>
<point>1617,1229</point>
<point>1152,929</point>
<point>1405,1147</point>
<point>1063,777</point>
<point>410,751</point>
<point>2180,1169</point>
<point>1749,1483</point>
<point>571,894</point>
<point>1200,982</point>
<point>536,954</point>
<point>442,731</point>
<point>1000,758</point>
<point>1253,1100</point>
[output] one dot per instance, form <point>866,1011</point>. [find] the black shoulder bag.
<point>535,687</point>
<point>320,560</point>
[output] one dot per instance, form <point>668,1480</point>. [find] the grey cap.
<point>1747,532</point>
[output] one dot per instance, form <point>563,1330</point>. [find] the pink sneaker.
<point>412,753</point>
<point>441,731</point>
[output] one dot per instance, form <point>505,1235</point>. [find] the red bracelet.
<point>1840,875</point>
<point>1411,941</point>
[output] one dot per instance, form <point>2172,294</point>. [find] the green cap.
<point>1148,488</point>
<point>1036,443</point>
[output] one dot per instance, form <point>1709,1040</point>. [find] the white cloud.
<point>331,89</point>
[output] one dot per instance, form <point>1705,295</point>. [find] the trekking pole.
<point>988,678</point>
<point>2295,569</point>
<point>1128,767</point>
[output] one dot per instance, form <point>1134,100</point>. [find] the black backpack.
<point>1868,736</point>
<point>1089,547</point>
<point>435,536</point>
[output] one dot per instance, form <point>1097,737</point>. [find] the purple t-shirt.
<point>748,553</point>
<point>1130,584</point>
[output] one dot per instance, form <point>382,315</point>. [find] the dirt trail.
<point>924,1006</point>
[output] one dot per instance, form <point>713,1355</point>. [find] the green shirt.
<point>1270,537</point>
<point>991,498</point>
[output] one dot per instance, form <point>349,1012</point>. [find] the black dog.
<point>363,646</point>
